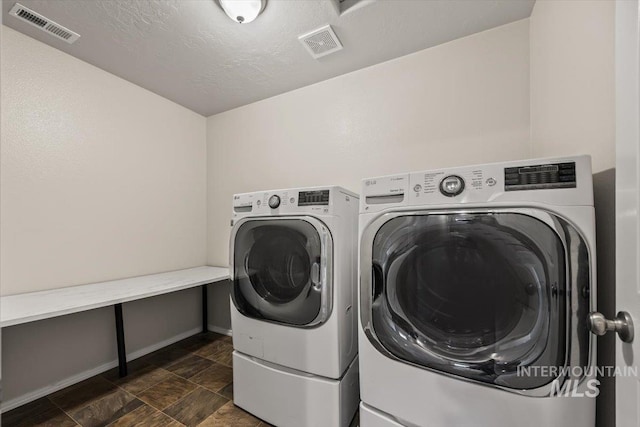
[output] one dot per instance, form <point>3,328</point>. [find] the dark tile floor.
<point>189,383</point>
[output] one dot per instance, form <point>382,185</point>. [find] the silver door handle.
<point>622,325</point>
<point>315,277</point>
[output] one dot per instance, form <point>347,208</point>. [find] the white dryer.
<point>294,311</point>
<point>475,289</point>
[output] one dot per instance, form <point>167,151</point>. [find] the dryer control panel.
<point>560,181</point>
<point>540,177</point>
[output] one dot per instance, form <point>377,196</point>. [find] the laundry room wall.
<point>573,111</point>
<point>573,80</point>
<point>463,102</point>
<point>100,179</point>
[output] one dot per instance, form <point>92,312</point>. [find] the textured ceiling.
<point>190,52</point>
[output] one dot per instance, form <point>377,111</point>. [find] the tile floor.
<point>189,383</point>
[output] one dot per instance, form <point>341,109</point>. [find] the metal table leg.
<point>122,353</point>
<point>205,310</point>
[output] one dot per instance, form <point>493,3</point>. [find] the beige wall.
<point>573,111</point>
<point>101,179</point>
<point>463,102</point>
<point>572,80</point>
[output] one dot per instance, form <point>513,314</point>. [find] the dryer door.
<point>282,270</point>
<point>480,295</point>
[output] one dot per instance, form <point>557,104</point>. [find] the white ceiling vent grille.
<point>43,23</point>
<point>321,42</point>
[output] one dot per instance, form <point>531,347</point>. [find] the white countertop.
<point>29,307</point>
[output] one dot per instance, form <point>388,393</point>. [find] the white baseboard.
<point>44,391</point>
<point>219,330</point>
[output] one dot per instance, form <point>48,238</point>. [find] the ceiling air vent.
<point>321,42</point>
<point>45,24</point>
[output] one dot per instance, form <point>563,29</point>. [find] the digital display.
<point>540,177</point>
<point>313,198</point>
<point>538,169</point>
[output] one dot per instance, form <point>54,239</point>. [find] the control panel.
<point>568,182</point>
<point>540,177</point>
<point>313,198</point>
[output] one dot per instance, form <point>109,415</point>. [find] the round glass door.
<point>476,295</point>
<point>277,265</point>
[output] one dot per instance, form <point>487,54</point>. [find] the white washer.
<point>475,287</point>
<point>294,311</point>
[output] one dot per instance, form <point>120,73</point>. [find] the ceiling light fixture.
<point>243,11</point>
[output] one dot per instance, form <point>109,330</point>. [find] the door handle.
<point>622,325</point>
<point>377,280</point>
<point>316,280</point>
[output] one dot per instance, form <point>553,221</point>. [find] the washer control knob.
<point>274,201</point>
<point>452,186</point>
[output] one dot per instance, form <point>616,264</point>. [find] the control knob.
<point>274,201</point>
<point>452,185</point>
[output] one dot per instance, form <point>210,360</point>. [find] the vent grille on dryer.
<point>321,42</point>
<point>43,23</point>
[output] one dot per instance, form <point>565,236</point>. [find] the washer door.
<point>480,295</point>
<point>280,270</point>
